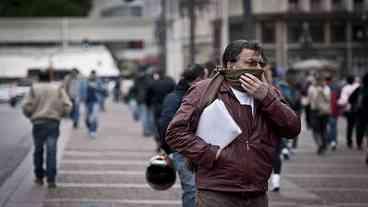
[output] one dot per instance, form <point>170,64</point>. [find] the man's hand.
<point>253,86</point>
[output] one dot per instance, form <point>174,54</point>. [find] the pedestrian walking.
<point>170,105</point>
<point>348,110</point>
<point>319,95</point>
<point>237,174</point>
<point>358,101</point>
<point>335,112</point>
<point>72,85</point>
<point>92,101</point>
<point>45,105</point>
<point>157,89</point>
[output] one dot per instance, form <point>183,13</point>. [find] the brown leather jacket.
<point>246,164</point>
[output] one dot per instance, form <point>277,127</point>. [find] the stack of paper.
<point>216,126</point>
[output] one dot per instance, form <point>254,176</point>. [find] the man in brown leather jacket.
<point>236,175</point>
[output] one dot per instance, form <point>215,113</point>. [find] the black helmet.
<point>160,173</point>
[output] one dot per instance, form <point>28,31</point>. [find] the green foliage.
<point>44,8</point>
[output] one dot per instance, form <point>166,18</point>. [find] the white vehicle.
<point>4,93</point>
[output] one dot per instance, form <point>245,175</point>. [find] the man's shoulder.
<point>202,83</point>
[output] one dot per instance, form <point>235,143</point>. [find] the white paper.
<point>216,126</point>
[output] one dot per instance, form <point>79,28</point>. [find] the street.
<point>15,140</point>
<point>110,171</point>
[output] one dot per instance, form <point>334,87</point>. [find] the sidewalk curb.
<point>18,189</point>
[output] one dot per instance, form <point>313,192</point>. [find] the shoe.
<point>321,150</point>
<point>275,181</point>
<point>333,146</point>
<point>93,135</point>
<point>39,181</point>
<point>75,125</point>
<point>285,154</point>
<point>51,185</point>
<point>349,145</point>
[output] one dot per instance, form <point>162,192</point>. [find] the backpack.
<point>323,105</point>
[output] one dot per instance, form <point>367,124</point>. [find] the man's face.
<point>248,58</point>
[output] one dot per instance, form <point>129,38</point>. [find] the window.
<point>338,32</point>
<point>138,44</point>
<point>294,5</point>
<point>316,5</point>
<point>338,5</point>
<point>294,32</point>
<point>317,32</point>
<point>359,32</point>
<point>358,5</point>
<point>268,32</point>
<point>136,11</point>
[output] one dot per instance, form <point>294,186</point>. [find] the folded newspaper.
<point>216,126</point>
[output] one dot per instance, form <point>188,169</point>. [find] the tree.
<point>44,8</point>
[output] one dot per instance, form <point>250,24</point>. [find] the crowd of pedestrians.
<point>266,111</point>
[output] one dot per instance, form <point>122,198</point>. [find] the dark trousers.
<point>320,130</point>
<point>277,163</point>
<point>45,133</point>
<point>361,129</point>
<point>350,119</point>
<point>220,199</point>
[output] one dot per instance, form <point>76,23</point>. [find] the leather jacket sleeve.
<point>286,122</point>
<point>180,134</point>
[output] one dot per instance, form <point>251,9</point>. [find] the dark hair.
<point>232,51</point>
<point>44,76</point>
<point>75,70</point>
<point>350,79</point>
<point>210,66</point>
<point>193,72</point>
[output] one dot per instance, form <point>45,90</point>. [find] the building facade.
<point>293,30</point>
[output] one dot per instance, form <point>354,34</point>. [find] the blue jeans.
<point>45,132</point>
<point>92,116</point>
<point>332,129</point>
<point>146,115</point>
<point>74,115</point>
<point>187,180</point>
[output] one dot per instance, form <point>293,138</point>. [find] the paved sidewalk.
<point>109,172</point>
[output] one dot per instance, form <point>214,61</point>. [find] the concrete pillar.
<point>175,54</point>
<point>281,44</point>
<point>327,29</point>
<point>225,23</point>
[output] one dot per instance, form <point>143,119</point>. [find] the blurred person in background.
<point>347,110</point>
<point>292,97</point>
<point>158,88</point>
<point>170,105</point>
<point>359,102</point>
<point>335,111</point>
<point>94,91</point>
<point>45,105</point>
<point>72,85</point>
<point>319,95</point>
